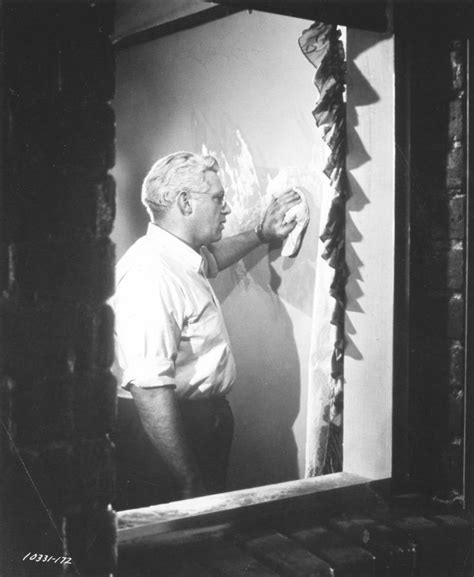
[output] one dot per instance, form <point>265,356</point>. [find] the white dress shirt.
<point>169,328</point>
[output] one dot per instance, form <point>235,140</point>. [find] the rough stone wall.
<point>452,450</point>
<point>58,395</point>
<point>438,265</point>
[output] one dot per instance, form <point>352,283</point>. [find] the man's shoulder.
<point>143,262</point>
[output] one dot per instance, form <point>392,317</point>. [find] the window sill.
<point>225,511</point>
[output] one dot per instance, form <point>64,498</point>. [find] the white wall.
<point>241,88</point>
<point>370,250</point>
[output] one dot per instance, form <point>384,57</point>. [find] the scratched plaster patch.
<point>249,188</point>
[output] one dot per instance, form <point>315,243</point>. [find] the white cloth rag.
<point>300,213</point>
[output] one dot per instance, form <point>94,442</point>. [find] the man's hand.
<point>231,249</point>
<point>273,227</point>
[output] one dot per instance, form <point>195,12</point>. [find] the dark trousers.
<point>143,478</point>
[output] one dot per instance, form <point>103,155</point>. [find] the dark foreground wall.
<point>438,253</point>
<point>58,397</point>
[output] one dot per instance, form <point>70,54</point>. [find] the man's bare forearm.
<point>161,419</point>
<point>231,249</point>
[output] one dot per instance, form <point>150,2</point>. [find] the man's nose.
<point>226,208</point>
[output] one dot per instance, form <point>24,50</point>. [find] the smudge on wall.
<point>250,190</point>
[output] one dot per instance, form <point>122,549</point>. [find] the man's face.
<point>209,211</point>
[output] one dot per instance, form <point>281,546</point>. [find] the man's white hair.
<point>177,172</point>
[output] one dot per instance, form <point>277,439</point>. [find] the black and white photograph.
<point>237,285</point>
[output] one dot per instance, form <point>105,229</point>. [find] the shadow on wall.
<point>361,94</point>
<point>266,395</point>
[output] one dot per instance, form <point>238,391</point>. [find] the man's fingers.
<point>289,194</point>
<point>288,199</point>
<point>285,229</point>
<point>274,221</point>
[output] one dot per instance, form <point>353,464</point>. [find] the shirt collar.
<point>173,246</point>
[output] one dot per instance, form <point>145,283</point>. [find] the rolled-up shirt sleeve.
<point>149,315</point>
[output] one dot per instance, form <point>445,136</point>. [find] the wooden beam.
<point>369,14</point>
<point>222,512</point>
<point>156,31</point>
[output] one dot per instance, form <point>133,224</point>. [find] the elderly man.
<point>172,349</point>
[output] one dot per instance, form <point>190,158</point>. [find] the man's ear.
<point>184,202</point>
